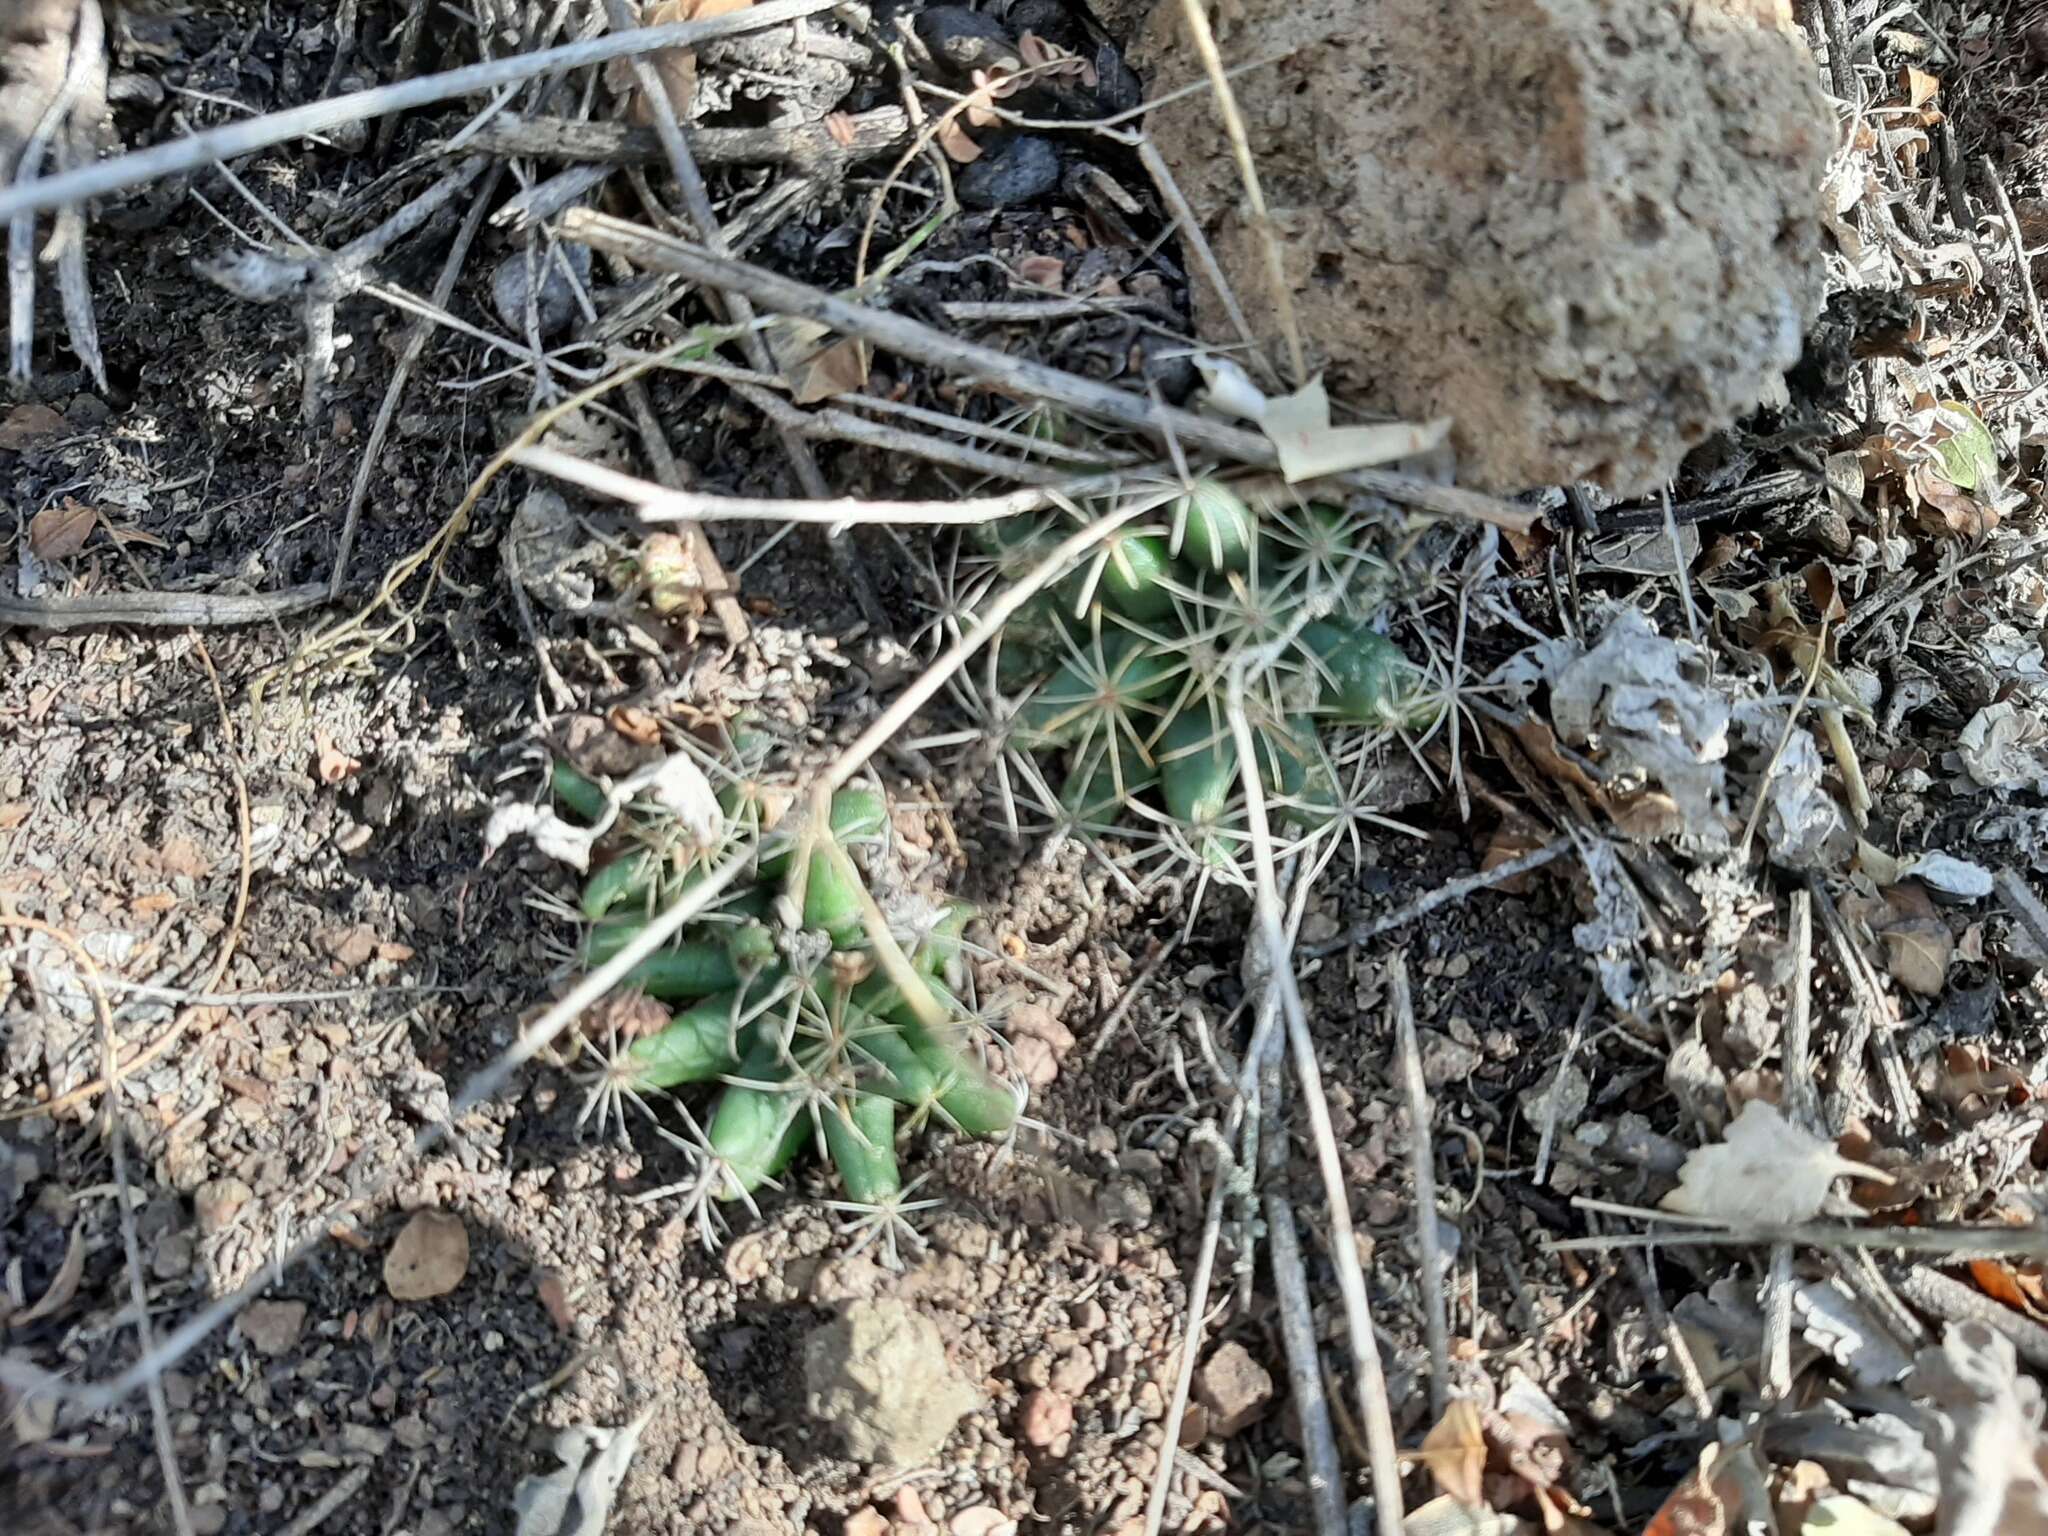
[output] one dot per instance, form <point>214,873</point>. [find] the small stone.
<point>272,1327</point>
<point>215,1202</point>
<point>910,1508</point>
<point>1194,1426</point>
<point>878,1374</point>
<point>982,1520</point>
<point>1035,1060</point>
<point>556,305</point>
<point>209,1519</point>
<point>1234,1387</point>
<point>866,1521</point>
<point>429,1258</point>
<point>965,40</point>
<point>1044,1418</point>
<point>412,1432</point>
<point>1013,168</point>
<point>1074,1373</point>
<point>366,1439</point>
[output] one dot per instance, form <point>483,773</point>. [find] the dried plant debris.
<point>1766,1171</point>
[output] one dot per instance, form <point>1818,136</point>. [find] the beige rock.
<point>866,1521</point>
<point>215,1202</point>
<point>272,1327</point>
<point>429,1258</point>
<point>1044,1417</point>
<point>1584,229</point>
<point>1234,1387</point>
<point>878,1374</point>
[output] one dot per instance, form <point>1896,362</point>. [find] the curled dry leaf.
<point>1454,1451</point>
<point>839,369</point>
<point>59,532</point>
<point>958,144</point>
<point>1765,1170</point>
<point>674,68</point>
<point>576,1498</point>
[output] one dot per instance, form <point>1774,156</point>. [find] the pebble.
<point>272,1327</point>
<point>1014,168</point>
<point>1045,1417</point>
<point>982,1520</point>
<point>429,1258</point>
<point>556,305</point>
<point>1074,1374</point>
<point>1234,1387</point>
<point>216,1201</point>
<point>866,1521</point>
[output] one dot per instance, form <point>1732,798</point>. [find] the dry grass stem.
<point>1422,1160</point>
<point>233,140</point>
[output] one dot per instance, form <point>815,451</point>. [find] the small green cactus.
<point>1109,690</point>
<point>779,994</point>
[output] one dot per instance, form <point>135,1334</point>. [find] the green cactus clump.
<point>1110,687</point>
<point>813,1012</point>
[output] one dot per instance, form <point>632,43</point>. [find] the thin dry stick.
<point>1262,1061</point>
<point>2026,906</point>
<point>156,610</point>
<point>1016,376</point>
<point>241,138</point>
<point>408,358</point>
<point>1279,290</point>
<point>1548,1133</point>
<point>1197,1308</point>
<point>2022,265</point>
<point>1368,1378</point>
<point>1455,890</point>
<point>1189,227</point>
<point>659,504</point>
<point>111,1128</point>
<point>345,1488</point>
<point>736,306</point>
<point>1660,1319</point>
<point>1802,1104</point>
<point>1422,1159</point>
<point>1114,1019</point>
<point>1324,1467</point>
<point>836,425</point>
<point>1763,783</point>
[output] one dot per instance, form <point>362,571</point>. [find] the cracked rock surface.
<point>1585,229</point>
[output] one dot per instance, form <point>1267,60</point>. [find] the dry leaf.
<point>30,424</point>
<point>675,68</point>
<point>1309,447</point>
<point>635,724</point>
<point>1045,273</point>
<point>59,532</point>
<point>330,764</point>
<point>1726,1494</point>
<point>954,140</point>
<point>1454,1451</point>
<point>1917,953</point>
<point>840,369</point>
<point>1764,1170</point>
<point>63,1285</point>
